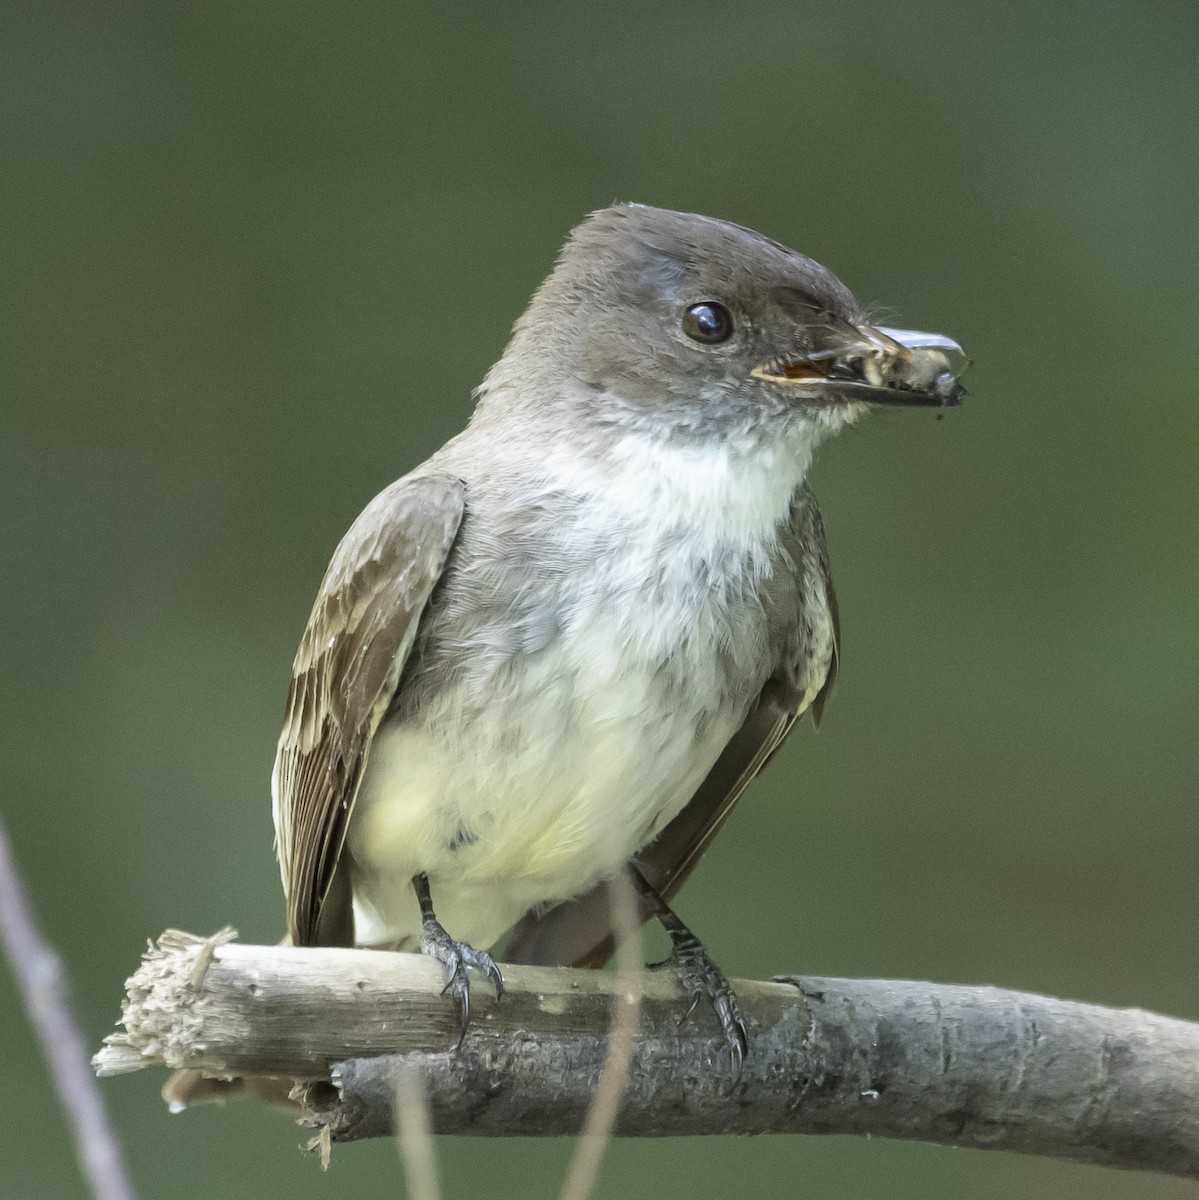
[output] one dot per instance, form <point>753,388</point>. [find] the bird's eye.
<point>708,322</point>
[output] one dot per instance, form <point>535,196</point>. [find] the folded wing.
<point>344,678</point>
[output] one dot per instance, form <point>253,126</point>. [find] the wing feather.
<point>344,677</point>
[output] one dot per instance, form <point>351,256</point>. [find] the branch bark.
<point>963,1066</point>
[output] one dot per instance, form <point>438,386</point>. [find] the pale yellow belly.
<point>502,821</point>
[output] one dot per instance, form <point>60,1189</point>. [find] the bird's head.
<point>691,324</point>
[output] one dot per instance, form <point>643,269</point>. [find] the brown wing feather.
<point>579,932</point>
<point>345,675</point>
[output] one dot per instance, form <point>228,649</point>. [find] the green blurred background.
<point>255,257</point>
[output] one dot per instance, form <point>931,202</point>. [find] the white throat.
<point>731,492</point>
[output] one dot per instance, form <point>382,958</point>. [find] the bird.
<point>556,652</point>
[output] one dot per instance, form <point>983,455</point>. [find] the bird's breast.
<point>575,678</point>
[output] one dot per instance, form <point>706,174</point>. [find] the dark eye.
<point>708,322</point>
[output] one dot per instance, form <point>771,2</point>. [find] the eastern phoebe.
<point>564,644</point>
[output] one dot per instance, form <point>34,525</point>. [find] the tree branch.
<point>964,1066</point>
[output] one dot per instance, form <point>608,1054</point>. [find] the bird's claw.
<point>700,977</point>
<point>457,957</point>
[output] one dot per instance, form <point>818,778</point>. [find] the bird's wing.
<point>579,931</point>
<point>345,675</point>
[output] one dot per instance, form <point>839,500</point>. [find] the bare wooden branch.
<point>964,1066</point>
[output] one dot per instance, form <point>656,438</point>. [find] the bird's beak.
<point>872,364</point>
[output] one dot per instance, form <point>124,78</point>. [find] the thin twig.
<point>626,1013</point>
<point>42,983</point>
<point>415,1135</point>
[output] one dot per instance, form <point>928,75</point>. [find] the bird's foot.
<point>700,978</point>
<point>457,957</point>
